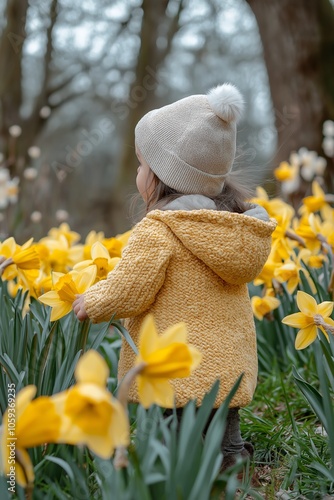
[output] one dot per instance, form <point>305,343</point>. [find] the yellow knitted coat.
<point>191,266</point>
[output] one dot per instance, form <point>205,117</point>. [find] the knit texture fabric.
<point>191,266</point>
<point>190,144</point>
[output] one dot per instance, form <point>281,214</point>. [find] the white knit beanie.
<point>190,144</point>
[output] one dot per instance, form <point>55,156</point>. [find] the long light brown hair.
<point>231,199</point>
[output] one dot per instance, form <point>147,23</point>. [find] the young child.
<point>190,258</point>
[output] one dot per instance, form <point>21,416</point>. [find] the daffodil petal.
<point>23,398</point>
<point>155,391</point>
<point>60,310</point>
<point>196,355</point>
<point>173,361</point>
<point>119,428</point>
<point>59,400</point>
<point>102,446</point>
<point>56,277</point>
<point>39,423</point>
<point>305,337</point>
<point>329,321</point>
<point>10,245</point>
<point>85,279</point>
<point>292,284</point>
<point>317,190</point>
<point>175,333</point>
<point>99,251</point>
<point>24,471</point>
<point>325,309</point>
<point>83,264</point>
<point>50,298</point>
<point>273,302</point>
<point>148,337</point>
<point>298,320</point>
<point>306,304</point>
<point>92,368</point>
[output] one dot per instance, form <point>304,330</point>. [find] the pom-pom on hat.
<point>190,144</point>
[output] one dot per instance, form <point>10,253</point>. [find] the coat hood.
<point>234,246</point>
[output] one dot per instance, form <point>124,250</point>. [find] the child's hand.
<point>78,307</point>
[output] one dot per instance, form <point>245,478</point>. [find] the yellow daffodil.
<point>101,259</point>
<point>309,232</point>
<point>282,234</point>
<point>90,414</point>
<point>267,274</point>
<point>114,246</point>
<point>289,271</point>
<point>41,285</point>
<point>124,238</point>
<point>285,171</point>
<point>328,214</point>
<point>64,230</point>
<point>324,230</point>
<point>310,317</point>
<point>26,424</point>
<point>274,207</point>
<point>317,261</point>
<point>65,288</point>
<point>163,357</point>
<point>317,201</point>
<point>91,238</point>
<point>263,305</point>
<point>22,261</point>
<point>44,257</point>
<point>62,256</point>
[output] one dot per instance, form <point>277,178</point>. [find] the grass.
<point>288,439</point>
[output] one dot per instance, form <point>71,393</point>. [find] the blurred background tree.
<point>77,76</point>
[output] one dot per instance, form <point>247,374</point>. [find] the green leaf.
<point>311,395</point>
<point>211,459</point>
<point>63,464</point>
<point>323,470</point>
<point>127,336</point>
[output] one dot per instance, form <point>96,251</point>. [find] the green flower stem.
<point>296,237</point>
<point>84,335</point>
<point>121,454</point>
<point>123,390</point>
<point>331,285</point>
<point>5,263</point>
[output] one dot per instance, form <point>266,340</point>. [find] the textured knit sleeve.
<point>132,286</point>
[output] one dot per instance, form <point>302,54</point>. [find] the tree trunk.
<point>298,48</point>
<point>34,123</point>
<point>11,45</point>
<point>142,98</point>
